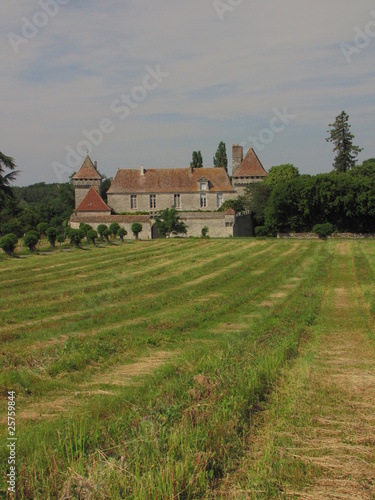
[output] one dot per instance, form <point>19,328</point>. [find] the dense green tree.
<point>31,240</point>
<point>342,138</point>
<point>85,227</point>
<point>114,227</point>
<point>255,200</point>
<point>367,169</point>
<point>51,234</point>
<point>91,236</point>
<point>136,228</point>
<point>121,232</point>
<point>76,236</point>
<point>101,228</point>
<point>8,243</point>
<point>6,192</point>
<point>197,161</point>
<point>281,173</point>
<point>60,239</point>
<point>42,228</point>
<point>220,158</point>
<point>169,222</point>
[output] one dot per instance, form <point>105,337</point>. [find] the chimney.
<point>142,170</point>
<point>96,166</point>
<point>237,157</point>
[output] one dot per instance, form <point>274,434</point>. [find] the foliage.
<point>42,228</point>
<point>342,138</point>
<point>169,222</point>
<point>281,173</point>
<point>6,192</point>
<point>121,232</point>
<point>204,231</point>
<point>236,204</point>
<point>8,243</point>
<point>101,229</point>
<point>136,228</point>
<point>51,234</point>
<point>197,161</point>
<point>255,199</point>
<point>85,227</point>
<point>91,236</point>
<point>31,239</point>
<point>261,231</point>
<point>113,228</point>
<point>107,233</point>
<point>323,230</point>
<point>76,236</point>
<point>60,239</point>
<point>367,169</point>
<point>220,158</point>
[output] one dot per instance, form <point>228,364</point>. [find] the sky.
<point>141,82</point>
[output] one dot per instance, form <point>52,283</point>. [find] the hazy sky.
<point>151,81</point>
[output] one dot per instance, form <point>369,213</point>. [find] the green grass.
<point>140,369</point>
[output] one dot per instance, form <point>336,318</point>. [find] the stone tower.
<point>237,157</point>
<point>86,177</point>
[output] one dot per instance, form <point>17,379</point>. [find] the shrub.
<point>31,239</point>
<point>261,231</point>
<point>76,236</point>
<point>204,231</point>
<point>136,229</point>
<point>121,232</point>
<point>323,230</point>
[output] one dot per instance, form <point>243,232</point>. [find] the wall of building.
<point>188,201</point>
<point>82,186</point>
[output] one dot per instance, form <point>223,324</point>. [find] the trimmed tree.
<point>51,235</point>
<point>42,228</point>
<point>107,233</point>
<point>91,236</point>
<point>85,227</point>
<point>169,222</point>
<point>114,227</point>
<point>60,239</point>
<point>136,229</point>
<point>101,228</point>
<point>342,138</point>
<point>121,232</point>
<point>31,239</point>
<point>76,236</point>
<point>323,230</point>
<point>220,158</point>
<point>8,243</point>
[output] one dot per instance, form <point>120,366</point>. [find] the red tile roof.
<point>250,166</point>
<point>92,202</point>
<point>169,180</point>
<point>87,171</point>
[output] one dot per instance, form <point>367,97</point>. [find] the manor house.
<point>196,192</point>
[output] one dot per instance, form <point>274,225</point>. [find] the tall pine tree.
<point>342,138</point>
<point>220,158</point>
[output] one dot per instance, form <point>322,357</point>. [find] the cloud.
<point>225,78</point>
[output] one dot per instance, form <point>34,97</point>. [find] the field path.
<point>316,439</point>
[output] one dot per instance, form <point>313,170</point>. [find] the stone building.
<point>197,193</point>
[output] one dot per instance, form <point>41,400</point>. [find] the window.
<point>177,201</point>
<point>152,200</point>
<point>219,199</point>
<point>133,201</point>
<point>203,200</point>
<point>203,186</point>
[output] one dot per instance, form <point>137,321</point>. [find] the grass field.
<point>191,369</point>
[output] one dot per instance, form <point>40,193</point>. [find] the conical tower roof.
<point>87,170</point>
<point>250,166</point>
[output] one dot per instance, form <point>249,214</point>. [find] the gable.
<point>250,166</point>
<point>93,202</point>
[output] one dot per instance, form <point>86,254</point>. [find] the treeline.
<point>51,204</point>
<point>289,202</point>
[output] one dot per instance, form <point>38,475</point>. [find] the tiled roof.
<point>87,171</point>
<point>250,166</point>
<point>169,180</point>
<point>92,202</point>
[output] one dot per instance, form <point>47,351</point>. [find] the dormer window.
<point>203,186</point>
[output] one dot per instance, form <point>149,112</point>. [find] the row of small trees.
<point>75,236</point>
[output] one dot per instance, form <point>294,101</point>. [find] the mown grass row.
<point>172,435</point>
